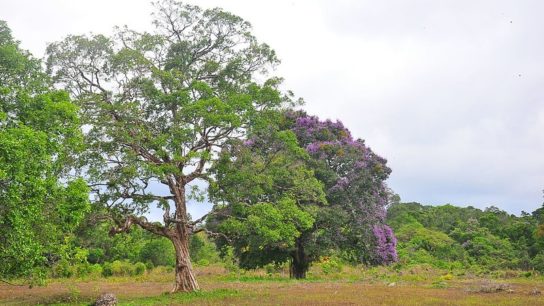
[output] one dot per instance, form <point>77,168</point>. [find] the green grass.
<point>207,296</point>
<point>413,285</point>
<point>182,298</point>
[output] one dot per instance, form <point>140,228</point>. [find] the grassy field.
<point>353,286</point>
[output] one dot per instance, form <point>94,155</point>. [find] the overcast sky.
<point>450,92</point>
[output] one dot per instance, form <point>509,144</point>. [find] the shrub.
<point>107,269</point>
<point>149,265</point>
<point>62,269</point>
<point>95,271</point>
<point>163,269</point>
<point>160,252</point>
<point>201,248</point>
<point>82,269</point>
<point>229,260</point>
<point>331,266</point>
<point>269,268</point>
<point>139,268</point>
<point>121,268</point>
<point>538,262</point>
<point>95,256</point>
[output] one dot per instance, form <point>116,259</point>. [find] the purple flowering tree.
<point>354,179</point>
<point>289,159</point>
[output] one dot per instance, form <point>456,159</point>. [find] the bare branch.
<point>211,234</point>
<point>201,219</point>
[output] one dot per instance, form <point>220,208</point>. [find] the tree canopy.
<point>159,105</point>
<point>40,202</point>
<point>302,164</point>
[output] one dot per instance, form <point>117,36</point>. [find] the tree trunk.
<point>300,262</point>
<point>185,278</point>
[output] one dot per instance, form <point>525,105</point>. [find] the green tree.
<point>266,198</point>
<point>418,244</point>
<point>315,155</point>
<point>40,204</point>
<point>158,106</point>
<point>103,247</point>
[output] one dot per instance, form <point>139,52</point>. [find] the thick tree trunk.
<point>185,278</point>
<point>300,263</point>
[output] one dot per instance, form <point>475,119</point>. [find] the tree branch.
<point>211,234</point>
<point>142,222</point>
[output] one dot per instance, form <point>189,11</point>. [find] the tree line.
<point>468,238</point>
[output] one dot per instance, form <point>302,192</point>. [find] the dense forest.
<point>107,129</point>
<point>468,238</point>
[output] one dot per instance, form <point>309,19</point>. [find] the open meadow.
<point>353,286</point>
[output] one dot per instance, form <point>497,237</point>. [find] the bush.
<point>107,269</point>
<point>149,265</point>
<point>160,252</point>
<point>82,269</point>
<point>62,269</point>
<point>95,271</point>
<point>538,263</point>
<point>121,268</point>
<point>163,269</point>
<point>331,266</point>
<point>229,260</point>
<point>95,256</point>
<point>139,268</point>
<point>201,248</point>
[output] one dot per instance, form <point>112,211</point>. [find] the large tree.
<point>40,204</point>
<point>158,106</point>
<point>351,219</point>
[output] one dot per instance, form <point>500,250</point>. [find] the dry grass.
<point>220,288</point>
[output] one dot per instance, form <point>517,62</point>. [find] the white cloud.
<point>449,91</point>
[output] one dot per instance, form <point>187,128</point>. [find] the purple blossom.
<point>313,148</point>
<point>249,142</point>
<point>359,186</point>
<point>386,242</point>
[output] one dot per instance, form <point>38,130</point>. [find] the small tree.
<point>158,106</point>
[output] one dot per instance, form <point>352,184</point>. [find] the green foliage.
<point>271,197</point>
<point>40,204</point>
<point>103,247</point>
<point>331,266</point>
<point>159,252</point>
<point>203,251</point>
<point>270,224</point>
<point>452,237</point>
<point>418,244</point>
<point>139,268</point>
<point>121,268</point>
<point>538,262</point>
<point>96,255</point>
